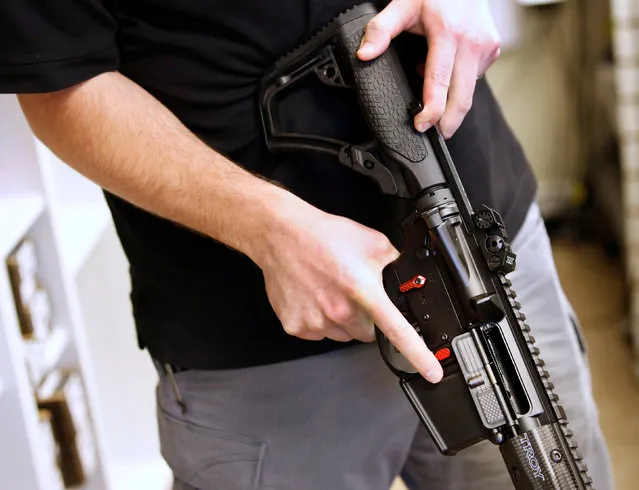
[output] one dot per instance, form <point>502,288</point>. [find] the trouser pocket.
<point>577,327</point>
<point>207,458</point>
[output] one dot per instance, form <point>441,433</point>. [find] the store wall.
<point>536,80</point>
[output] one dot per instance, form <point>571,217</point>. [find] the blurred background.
<point>568,82</point>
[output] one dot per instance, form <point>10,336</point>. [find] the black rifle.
<point>450,279</point>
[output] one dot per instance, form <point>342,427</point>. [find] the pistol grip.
<point>388,101</point>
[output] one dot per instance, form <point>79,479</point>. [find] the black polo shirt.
<point>196,302</point>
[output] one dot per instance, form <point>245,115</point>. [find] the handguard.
<point>450,279</point>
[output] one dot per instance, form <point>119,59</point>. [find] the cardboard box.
<point>23,266</point>
<point>31,298</point>
<point>51,453</point>
<point>62,394</point>
<point>43,355</point>
<point>35,322</point>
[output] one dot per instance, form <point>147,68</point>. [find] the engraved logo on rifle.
<point>529,451</point>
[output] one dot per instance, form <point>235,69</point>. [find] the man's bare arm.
<point>116,134</point>
<point>322,272</point>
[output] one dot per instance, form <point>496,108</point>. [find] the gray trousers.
<point>339,421</point>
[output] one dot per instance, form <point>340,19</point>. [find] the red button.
<point>442,354</point>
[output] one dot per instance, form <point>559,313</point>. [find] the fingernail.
<point>421,127</point>
<point>434,375</point>
<point>365,49</point>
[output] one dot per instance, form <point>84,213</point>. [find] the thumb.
<point>396,17</point>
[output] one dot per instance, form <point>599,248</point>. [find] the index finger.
<point>438,71</point>
<point>401,334</point>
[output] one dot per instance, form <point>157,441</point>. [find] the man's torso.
<point>198,303</point>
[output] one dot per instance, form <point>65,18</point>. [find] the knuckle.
<point>476,45</point>
<point>293,328</point>
<point>448,26</point>
<point>384,248</point>
<point>340,313</point>
<point>376,29</point>
<point>374,25</point>
<point>313,331</point>
<point>456,32</point>
<point>440,76</point>
<point>315,323</point>
<point>341,336</point>
<point>394,333</point>
<point>465,104</point>
<point>335,308</point>
<point>314,327</point>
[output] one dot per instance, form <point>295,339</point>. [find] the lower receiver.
<point>450,279</point>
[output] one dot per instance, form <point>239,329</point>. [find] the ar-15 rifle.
<point>450,279</point>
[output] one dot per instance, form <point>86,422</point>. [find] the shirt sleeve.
<point>51,45</point>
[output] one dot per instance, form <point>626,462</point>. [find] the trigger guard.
<point>394,359</point>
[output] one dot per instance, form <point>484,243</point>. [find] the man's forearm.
<point>116,134</point>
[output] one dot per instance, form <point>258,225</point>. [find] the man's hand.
<point>462,43</point>
<point>323,276</point>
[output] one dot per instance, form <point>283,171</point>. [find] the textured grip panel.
<point>537,461</point>
<point>384,103</point>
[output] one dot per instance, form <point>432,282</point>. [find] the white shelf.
<point>69,221</point>
<point>80,228</point>
<point>152,475</point>
<point>55,345</point>
<point>47,353</point>
<point>17,215</point>
<point>64,214</point>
